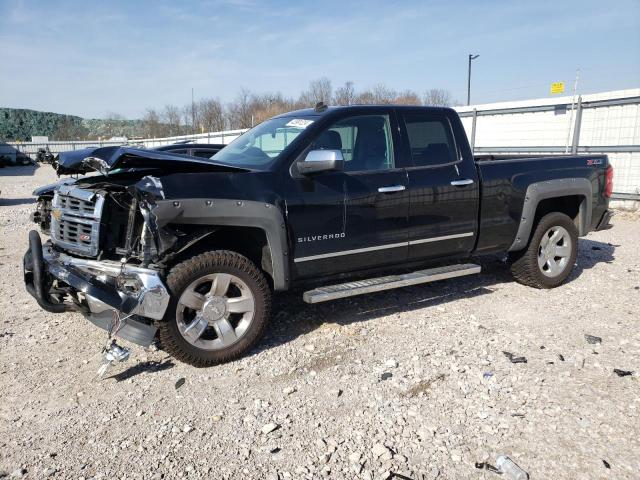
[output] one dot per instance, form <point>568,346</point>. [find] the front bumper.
<point>101,288</point>
<point>605,222</point>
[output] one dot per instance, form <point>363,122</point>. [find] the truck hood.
<point>106,159</point>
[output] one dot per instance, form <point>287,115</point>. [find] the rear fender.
<point>562,187</point>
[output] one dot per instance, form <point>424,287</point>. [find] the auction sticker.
<point>299,123</point>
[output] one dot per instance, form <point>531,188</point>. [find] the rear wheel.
<point>549,258</point>
<point>220,305</point>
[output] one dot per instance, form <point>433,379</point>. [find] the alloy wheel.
<point>554,251</point>
<point>215,311</point>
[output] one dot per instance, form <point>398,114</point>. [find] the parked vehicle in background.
<point>44,155</point>
<point>192,250</point>
<point>15,159</point>
<point>202,150</point>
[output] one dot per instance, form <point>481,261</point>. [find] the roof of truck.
<point>312,112</point>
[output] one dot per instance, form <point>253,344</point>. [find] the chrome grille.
<point>75,220</point>
<point>76,205</point>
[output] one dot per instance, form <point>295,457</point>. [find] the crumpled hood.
<point>105,159</point>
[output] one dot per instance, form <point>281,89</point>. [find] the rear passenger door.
<point>443,187</point>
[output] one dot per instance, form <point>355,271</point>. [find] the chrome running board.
<point>360,287</point>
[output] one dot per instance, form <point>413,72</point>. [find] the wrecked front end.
<point>114,234</point>
<point>108,250</point>
<point>102,258</point>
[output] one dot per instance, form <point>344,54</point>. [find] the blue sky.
<point>90,58</point>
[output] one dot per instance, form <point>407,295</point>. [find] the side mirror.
<point>318,161</point>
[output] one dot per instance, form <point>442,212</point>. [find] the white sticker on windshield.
<point>299,123</point>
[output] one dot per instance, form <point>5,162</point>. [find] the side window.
<point>365,142</point>
<point>430,140</point>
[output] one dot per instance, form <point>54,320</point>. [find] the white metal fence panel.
<point>606,122</point>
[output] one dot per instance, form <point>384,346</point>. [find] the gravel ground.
<point>411,383</point>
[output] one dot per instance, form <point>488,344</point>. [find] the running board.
<point>361,287</point>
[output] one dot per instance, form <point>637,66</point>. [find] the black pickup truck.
<point>332,202</point>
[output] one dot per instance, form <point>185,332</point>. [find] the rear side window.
<point>430,139</point>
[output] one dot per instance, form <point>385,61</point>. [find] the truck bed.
<point>506,178</point>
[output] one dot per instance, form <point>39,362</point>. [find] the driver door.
<point>356,219</point>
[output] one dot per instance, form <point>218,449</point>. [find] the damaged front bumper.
<point>106,292</point>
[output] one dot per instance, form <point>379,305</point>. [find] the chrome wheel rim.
<point>554,251</point>
<point>215,311</point>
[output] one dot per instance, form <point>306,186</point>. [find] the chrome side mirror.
<point>318,161</point>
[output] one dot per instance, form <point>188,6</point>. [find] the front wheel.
<point>549,258</point>
<point>220,306</point>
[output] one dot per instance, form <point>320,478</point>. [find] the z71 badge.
<point>594,161</point>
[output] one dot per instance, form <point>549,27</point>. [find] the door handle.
<point>392,188</point>
<point>459,183</point>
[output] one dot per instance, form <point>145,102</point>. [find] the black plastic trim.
<point>237,213</point>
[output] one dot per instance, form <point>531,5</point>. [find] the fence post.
<point>473,130</point>
<point>576,127</point>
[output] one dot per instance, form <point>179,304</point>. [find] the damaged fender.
<point>158,212</point>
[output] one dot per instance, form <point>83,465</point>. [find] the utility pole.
<point>471,57</point>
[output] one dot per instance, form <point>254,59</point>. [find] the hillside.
<point>17,124</point>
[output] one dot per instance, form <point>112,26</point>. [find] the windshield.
<point>260,147</point>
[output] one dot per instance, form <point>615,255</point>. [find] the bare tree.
<point>266,106</point>
<point>408,97</point>
<point>365,97</point>
<point>319,91</point>
<point>240,110</point>
<point>151,124</point>
<point>172,120</point>
<point>211,115</point>
<point>383,94</point>
<point>437,97</point>
<point>249,109</point>
<point>380,94</point>
<point>190,118</point>
<point>345,95</point>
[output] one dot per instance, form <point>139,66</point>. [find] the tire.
<point>208,323</point>
<point>541,265</point>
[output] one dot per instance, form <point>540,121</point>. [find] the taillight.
<point>608,186</point>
